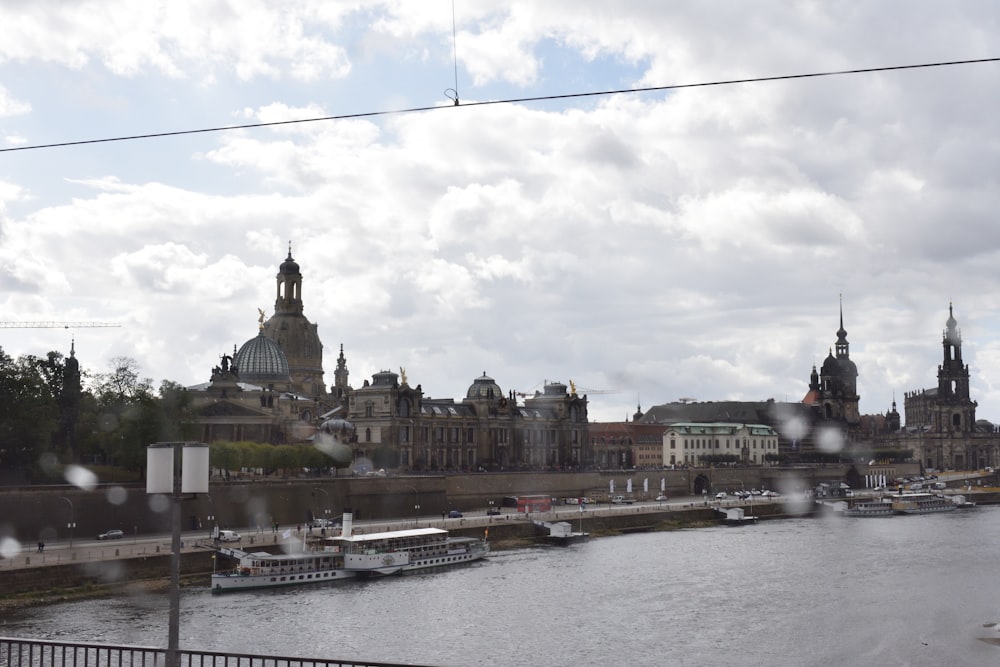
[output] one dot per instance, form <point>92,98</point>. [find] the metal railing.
<point>45,653</point>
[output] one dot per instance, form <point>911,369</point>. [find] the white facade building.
<point>688,443</point>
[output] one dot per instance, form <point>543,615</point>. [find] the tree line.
<point>53,413</point>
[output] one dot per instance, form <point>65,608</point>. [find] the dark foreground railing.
<point>45,653</point>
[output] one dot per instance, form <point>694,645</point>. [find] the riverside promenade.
<point>133,558</point>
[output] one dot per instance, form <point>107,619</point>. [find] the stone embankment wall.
<point>33,513</point>
<point>99,574</point>
<point>44,576</point>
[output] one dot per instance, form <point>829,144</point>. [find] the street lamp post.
<point>176,468</point>
<point>71,524</point>
<point>326,512</point>
<point>416,504</point>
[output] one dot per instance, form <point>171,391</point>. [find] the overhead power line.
<point>513,100</point>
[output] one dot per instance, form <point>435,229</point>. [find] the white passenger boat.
<point>266,570</point>
<point>347,556</point>
<point>871,508</point>
<point>399,551</point>
<point>921,503</point>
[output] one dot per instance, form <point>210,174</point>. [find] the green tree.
<point>287,458</point>
<point>128,418</point>
<point>224,455</point>
<point>28,412</point>
<point>177,416</point>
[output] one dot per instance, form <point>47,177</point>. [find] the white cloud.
<point>11,107</point>
<point>690,243</point>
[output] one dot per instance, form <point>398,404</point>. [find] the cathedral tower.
<point>294,333</point>
<point>838,382</point>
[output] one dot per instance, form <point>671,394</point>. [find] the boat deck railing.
<point>45,653</point>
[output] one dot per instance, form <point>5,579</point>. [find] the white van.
<point>229,536</point>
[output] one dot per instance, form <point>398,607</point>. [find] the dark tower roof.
<point>952,334</point>
<point>484,387</point>
<point>289,266</point>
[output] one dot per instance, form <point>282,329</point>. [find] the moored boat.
<point>962,503</point>
<point>348,556</point>
<point>266,570</point>
<point>872,508</point>
<point>735,516</point>
<point>400,551</point>
<point>921,503</point>
<point>561,533</point>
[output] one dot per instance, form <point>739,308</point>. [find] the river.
<point>911,590</point>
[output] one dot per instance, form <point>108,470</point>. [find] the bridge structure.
<point>45,653</point>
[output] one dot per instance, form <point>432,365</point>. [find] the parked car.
<point>721,495</point>
<point>454,514</point>
<point>660,498</point>
<point>322,523</point>
<point>113,534</point>
<point>493,511</point>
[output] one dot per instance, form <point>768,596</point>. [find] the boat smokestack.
<point>348,523</point>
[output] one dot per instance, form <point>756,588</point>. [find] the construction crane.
<point>574,390</point>
<point>55,325</point>
<point>589,390</point>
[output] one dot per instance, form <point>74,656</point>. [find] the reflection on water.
<point>901,591</point>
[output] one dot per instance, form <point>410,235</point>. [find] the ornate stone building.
<point>628,444</point>
<point>689,444</point>
<point>834,391</point>
<point>829,408</point>
<point>397,427</point>
<point>271,390</point>
<point>940,423</point>
<point>249,398</point>
<point>294,333</point>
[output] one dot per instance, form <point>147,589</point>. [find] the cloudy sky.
<point>647,246</point>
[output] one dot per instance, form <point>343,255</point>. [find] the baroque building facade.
<point>292,331</point>
<point>271,390</point>
<point>396,426</point>
<point>940,422</point>
<point>750,444</point>
<point>827,418</point>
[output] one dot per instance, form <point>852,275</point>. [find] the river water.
<point>913,590</point>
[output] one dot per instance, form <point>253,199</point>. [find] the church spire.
<point>289,279</point>
<point>843,347</point>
